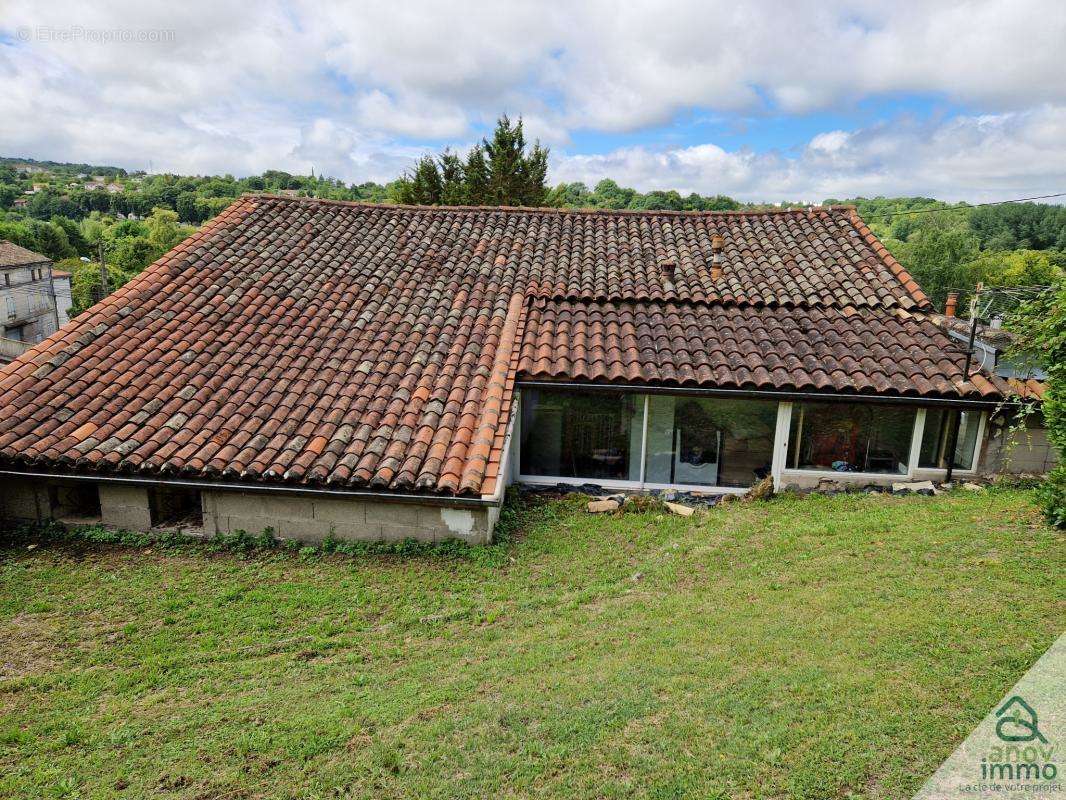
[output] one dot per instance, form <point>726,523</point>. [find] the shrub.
<point>1051,495</point>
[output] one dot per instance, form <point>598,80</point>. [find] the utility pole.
<point>953,436</point>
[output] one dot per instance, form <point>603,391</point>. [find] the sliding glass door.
<point>709,441</point>
<point>591,435</point>
<point>683,441</point>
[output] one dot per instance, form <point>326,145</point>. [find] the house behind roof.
<point>1017,436</point>
<point>28,308</point>
<point>363,371</point>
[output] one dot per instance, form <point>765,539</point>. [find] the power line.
<point>968,206</point>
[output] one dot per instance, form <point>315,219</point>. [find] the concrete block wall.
<point>23,500</point>
<point>1027,451</point>
<point>125,506</point>
<point>312,518</point>
<point>805,479</point>
<point>307,518</point>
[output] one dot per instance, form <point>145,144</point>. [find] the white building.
<point>29,311</point>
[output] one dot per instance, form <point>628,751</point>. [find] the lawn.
<point>819,647</point>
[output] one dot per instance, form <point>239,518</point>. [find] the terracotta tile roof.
<point>813,349</point>
<point>1029,389</point>
<point>11,255</point>
<point>353,346</point>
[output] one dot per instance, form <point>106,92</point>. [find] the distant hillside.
<point>65,210</point>
<point>62,167</point>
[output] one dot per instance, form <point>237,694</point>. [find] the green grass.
<point>803,648</point>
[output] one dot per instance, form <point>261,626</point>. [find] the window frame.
<point>779,469</point>
<point>911,462</point>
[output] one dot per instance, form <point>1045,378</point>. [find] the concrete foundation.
<point>306,518</point>
<point>312,519</point>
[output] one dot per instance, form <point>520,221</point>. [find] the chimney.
<point>717,245</point>
<point>667,268</point>
<point>949,307</point>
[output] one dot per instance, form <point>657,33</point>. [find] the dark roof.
<point>883,351</point>
<point>317,342</point>
<point>11,255</point>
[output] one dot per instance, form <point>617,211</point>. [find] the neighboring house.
<point>64,300</point>
<point>329,368</point>
<point>28,310</point>
<point>1017,438</point>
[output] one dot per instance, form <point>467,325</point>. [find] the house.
<point>372,371</point>
<point>1017,435</point>
<point>61,291</point>
<point>28,310</point>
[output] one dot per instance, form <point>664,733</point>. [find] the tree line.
<point>56,209</point>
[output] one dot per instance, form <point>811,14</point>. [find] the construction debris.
<point>763,490</point>
<point>677,508</point>
<point>921,487</point>
<point>973,487</point>
<point>608,506</point>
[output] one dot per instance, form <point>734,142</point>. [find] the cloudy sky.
<point>790,100</point>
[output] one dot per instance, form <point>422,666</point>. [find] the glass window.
<point>594,435</point>
<point>709,441</point>
<point>938,424</point>
<point>851,437</point>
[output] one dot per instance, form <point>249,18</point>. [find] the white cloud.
<point>977,158</point>
<point>359,90</point>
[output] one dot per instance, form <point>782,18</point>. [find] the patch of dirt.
<point>27,647</point>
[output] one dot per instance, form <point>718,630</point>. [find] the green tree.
<point>1016,268</point>
<point>49,240</point>
<point>8,194</point>
<point>73,234</point>
<point>476,177</point>
<point>453,191</point>
<point>515,177</point>
<point>424,186</point>
<point>164,231</point>
<point>1041,329</point>
<point>132,254</point>
<point>937,255</point>
<point>85,282</point>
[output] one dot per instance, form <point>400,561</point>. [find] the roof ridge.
<point>897,269</point>
<point>607,212</point>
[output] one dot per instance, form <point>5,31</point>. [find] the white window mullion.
<point>644,442</point>
<point>979,444</point>
<point>781,435</point>
<point>916,442</point>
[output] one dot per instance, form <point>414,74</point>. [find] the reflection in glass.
<point>851,437</point>
<point>938,422</point>
<point>709,441</point>
<point>581,434</point>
